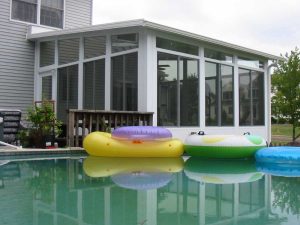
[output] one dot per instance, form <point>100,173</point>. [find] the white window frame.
<point>38,14</point>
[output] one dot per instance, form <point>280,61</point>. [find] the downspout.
<point>274,64</point>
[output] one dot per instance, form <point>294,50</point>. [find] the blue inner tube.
<point>286,155</point>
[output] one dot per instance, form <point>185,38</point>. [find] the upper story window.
<point>52,12</point>
<point>24,10</point>
<point>40,12</point>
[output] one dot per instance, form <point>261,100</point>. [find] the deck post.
<point>70,128</point>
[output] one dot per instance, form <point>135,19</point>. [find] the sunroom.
<point>189,82</point>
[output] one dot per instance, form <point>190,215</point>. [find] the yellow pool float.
<point>108,166</point>
<point>102,144</point>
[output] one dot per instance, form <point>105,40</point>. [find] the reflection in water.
<point>220,171</point>
<point>287,194</point>
<point>60,192</point>
<point>148,173</point>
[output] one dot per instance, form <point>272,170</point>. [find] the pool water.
<point>144,192</point>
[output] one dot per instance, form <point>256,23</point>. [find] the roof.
<point>150,25</point>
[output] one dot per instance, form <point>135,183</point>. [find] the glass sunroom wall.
<point>219,88</point>
<point>177,83</point>
<point>167,70</point>
<point>124,72</point>
<point>189,91</point>
<point>94,48</point>
<point>251,93</point>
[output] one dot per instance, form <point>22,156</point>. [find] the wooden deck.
<point>82,122</point>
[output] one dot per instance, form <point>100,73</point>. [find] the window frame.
<point>262,73</point>
<point>219,97</point>
<point>178,81</point>
<point>38,14</point>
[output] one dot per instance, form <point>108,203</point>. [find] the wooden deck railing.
<point>82,122</point>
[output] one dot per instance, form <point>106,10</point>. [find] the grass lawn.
<point>282,129</point>
<point>282,133</point>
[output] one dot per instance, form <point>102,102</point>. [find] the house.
<point>189,81</point>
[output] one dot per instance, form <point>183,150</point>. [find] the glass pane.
<point>245,97</point>
<point>25,10</point>
<point>211,95</point>
<point>131,82</point>
<point>176,46</point>
<point>255,63</point>
<point>124,82</point>
<point>47,53</point>
<point>51,17</point>
<point>189,98</point>
<point>167,92</point>
<point>258,105</point>
<point>67,91</point>
<point>123,42</point>
<point>68,51</point>
<point>88,86</point>
<point>99,95</point>
<point>117,82</point>
<point>212,54</point>
<point>94,81</point>
<point>94,46</point>
<point>56,4</point>
<point>227,95</point>
<point>47,88</point>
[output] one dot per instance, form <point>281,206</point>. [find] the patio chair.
<point>9,127</point>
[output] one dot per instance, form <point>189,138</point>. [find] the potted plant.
<point>42,125</point>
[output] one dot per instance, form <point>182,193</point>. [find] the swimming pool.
<point>75,190</point>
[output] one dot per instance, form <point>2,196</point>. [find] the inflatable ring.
<point>102,144</point>
<point>142,181</point>
<point>287,155</point>
<point>108,166</point>
<point>223,146</point>
<point>141,133</point>
<point>219,171</point>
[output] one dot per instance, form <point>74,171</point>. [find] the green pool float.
<point>223,146</point>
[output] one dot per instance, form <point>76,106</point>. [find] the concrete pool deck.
<point>7,151</point>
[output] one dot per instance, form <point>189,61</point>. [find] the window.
<point>176,46</point>
<point>51,12</point>
<point>68,51</point>
<point>218,94</point>
<point>47,88</point>
<point>177,91</point>
<point>24,10</point>
<point>67,90</point>
<point>124,82</point>
<point>221,56</point>
<point>123,42</point>
<point>251,97</point>
<point>94,84</point>
<point>94,46</point>
<point>255,63</point>
<point>47,52</point>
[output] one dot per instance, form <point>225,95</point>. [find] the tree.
<point>286,90</point>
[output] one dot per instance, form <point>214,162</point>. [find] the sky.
<point>271,26</point>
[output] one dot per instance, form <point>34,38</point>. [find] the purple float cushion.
<point>141,133</point>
